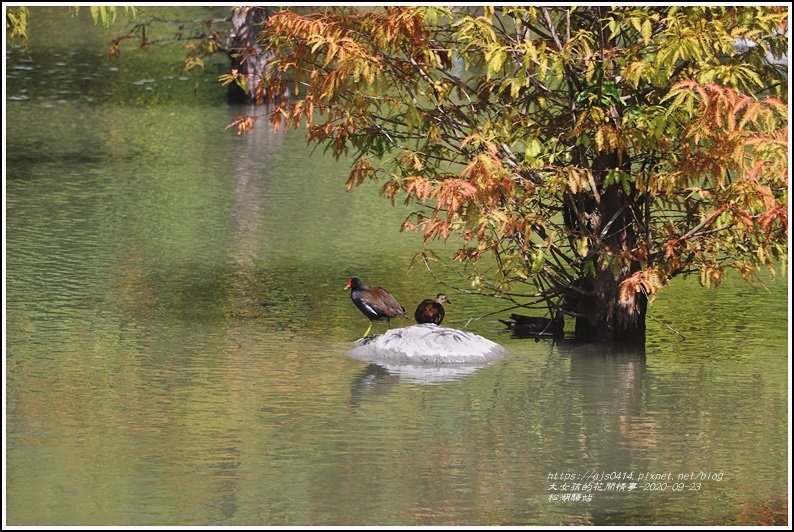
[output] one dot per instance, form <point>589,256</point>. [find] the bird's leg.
<point>368,329</point>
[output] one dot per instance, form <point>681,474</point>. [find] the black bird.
<point>536,327</point>
<point>431,311</point>
<point>374,302</point>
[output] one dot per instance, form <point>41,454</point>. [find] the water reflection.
<point>225,494</point>
<point>252,155</point>
<point>372,380</point>
<point>374,376</point>
<point>612,382</point>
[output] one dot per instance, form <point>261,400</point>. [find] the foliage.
<point>17,23</point>
<point>565,142</point>
<point>107,14</point>
<point>202,38</point>
<point>17,18</point>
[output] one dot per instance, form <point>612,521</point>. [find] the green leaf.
<point>495,62</point>
<point>533,148</point>
<point>646,30</point>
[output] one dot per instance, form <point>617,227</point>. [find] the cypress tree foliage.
<point>593,152</point>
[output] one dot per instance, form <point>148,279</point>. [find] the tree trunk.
<point>610,225</point>
<point>607,217</point>
<point>602,319</point>
<point>247,56</point>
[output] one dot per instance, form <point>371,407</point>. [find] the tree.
<point>593,152</point>
<point>235,36</point>
<point>247,57</point>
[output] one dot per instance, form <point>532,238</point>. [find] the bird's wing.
<point>369,308</point>
<point>386,302</point>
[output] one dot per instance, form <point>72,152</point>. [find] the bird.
<point>374,302</point>
<point>535,327</point>
<point>431,310</point>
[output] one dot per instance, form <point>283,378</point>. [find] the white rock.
<point>427,343</point>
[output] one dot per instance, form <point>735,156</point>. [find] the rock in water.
<point>427,343</point>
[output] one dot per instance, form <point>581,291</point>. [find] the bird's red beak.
<point>349,283</point>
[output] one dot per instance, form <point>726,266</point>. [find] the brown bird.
<point>431,311</point>
<point>374,302</point>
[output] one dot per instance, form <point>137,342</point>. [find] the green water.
<point>176,332</point>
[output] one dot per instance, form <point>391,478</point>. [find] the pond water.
<point>177,335</point>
